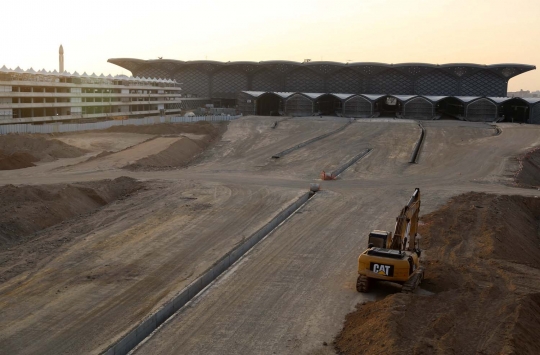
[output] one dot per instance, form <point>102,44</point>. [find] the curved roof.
<point>526,100</point>
<point>403,98</point>
<point>435,99</point>
<point>372,97</point>
<point>532,100</point>
<point>256,94</point>
<point>134,64</point>
<point>343,96</point>
<point>313,95</point>
<point>467,99</point>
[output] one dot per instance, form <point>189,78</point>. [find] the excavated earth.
<point>27,210</point>
<point>32,148</point>
<point>17,160</point>
<point>528,174</point>
<point>22,151</point>
<point>109,225</point>
<point>481,294</point>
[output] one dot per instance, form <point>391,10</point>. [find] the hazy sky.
<point>388,31</point>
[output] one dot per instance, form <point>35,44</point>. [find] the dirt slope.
<point>178,154</point>
<point>483,268</point>
<point>38,146</point>
<point>28,209</point>
<point>201,127</point>
<point>528,174</point>
<point>17,160</point>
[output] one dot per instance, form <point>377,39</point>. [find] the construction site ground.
<point>140,212</point>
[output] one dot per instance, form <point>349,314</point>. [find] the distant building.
<point>29,96</point>
<point>520,93</point>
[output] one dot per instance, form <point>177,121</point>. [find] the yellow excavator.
<point>394,257</point>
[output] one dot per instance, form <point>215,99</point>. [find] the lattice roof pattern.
<point>437,82</point>
<point>304,80</point>
<point>266,80</point>
<point>347,80</point>
<point>485,82</point>
<point>391,81</point>
<point>361,77</point>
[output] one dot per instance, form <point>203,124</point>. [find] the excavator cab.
<point>379,239</point>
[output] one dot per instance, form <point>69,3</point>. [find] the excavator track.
<point>362,283</point>
<point>410,285</point>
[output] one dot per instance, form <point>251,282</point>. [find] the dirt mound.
<point>202,127</point>
<point>528,174</point>
<point>483,270</point>
<point>28,209</point>
<point>39,147</point>
<point>178,154</point>
<point>18,160</point>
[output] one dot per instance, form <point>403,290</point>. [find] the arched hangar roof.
<point>256,94</point>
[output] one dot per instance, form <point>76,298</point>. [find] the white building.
<point>30,96</point>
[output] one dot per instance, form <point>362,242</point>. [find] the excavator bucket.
<point>326,176</point>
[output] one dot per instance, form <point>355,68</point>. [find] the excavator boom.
<point>404,237</point>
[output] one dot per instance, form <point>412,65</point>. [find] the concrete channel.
<point>309,141</point>
<point>141,331</point>
<point>418,147</point>
<point>345,166</point>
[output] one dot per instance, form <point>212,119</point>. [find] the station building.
<point>414,90</point>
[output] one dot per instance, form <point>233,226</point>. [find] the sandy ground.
<point>293,291</point>
<point>291,294</point>
<point>103,141</point>
<point>125,157</point>
<point>482,283</point>
<point>125,261</point>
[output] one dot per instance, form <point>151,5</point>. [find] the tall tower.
<point>61,58</point>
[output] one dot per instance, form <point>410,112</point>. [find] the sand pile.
<point>39,147</point>
<point>181,153</point>
<point>529,173</point>
<point>202,127</point>
<point>483,268</point>
<point>178,154</point>
<point>28,209</point>
<point>17,160</point>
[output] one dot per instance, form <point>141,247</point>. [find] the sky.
<point>386,31</point>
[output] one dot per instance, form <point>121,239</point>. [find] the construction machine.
<point>394,257</point>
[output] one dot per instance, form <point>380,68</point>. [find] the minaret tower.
<point>61,58</point>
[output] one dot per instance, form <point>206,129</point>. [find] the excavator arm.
<point>404,237</point>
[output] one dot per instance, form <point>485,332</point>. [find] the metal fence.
<point>75,127</point>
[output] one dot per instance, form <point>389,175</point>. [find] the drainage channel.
<point>309,141</point>
<point>345,166</point>
<point>497,129</point>
<point>141,331</point>
<point>418,147</point>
